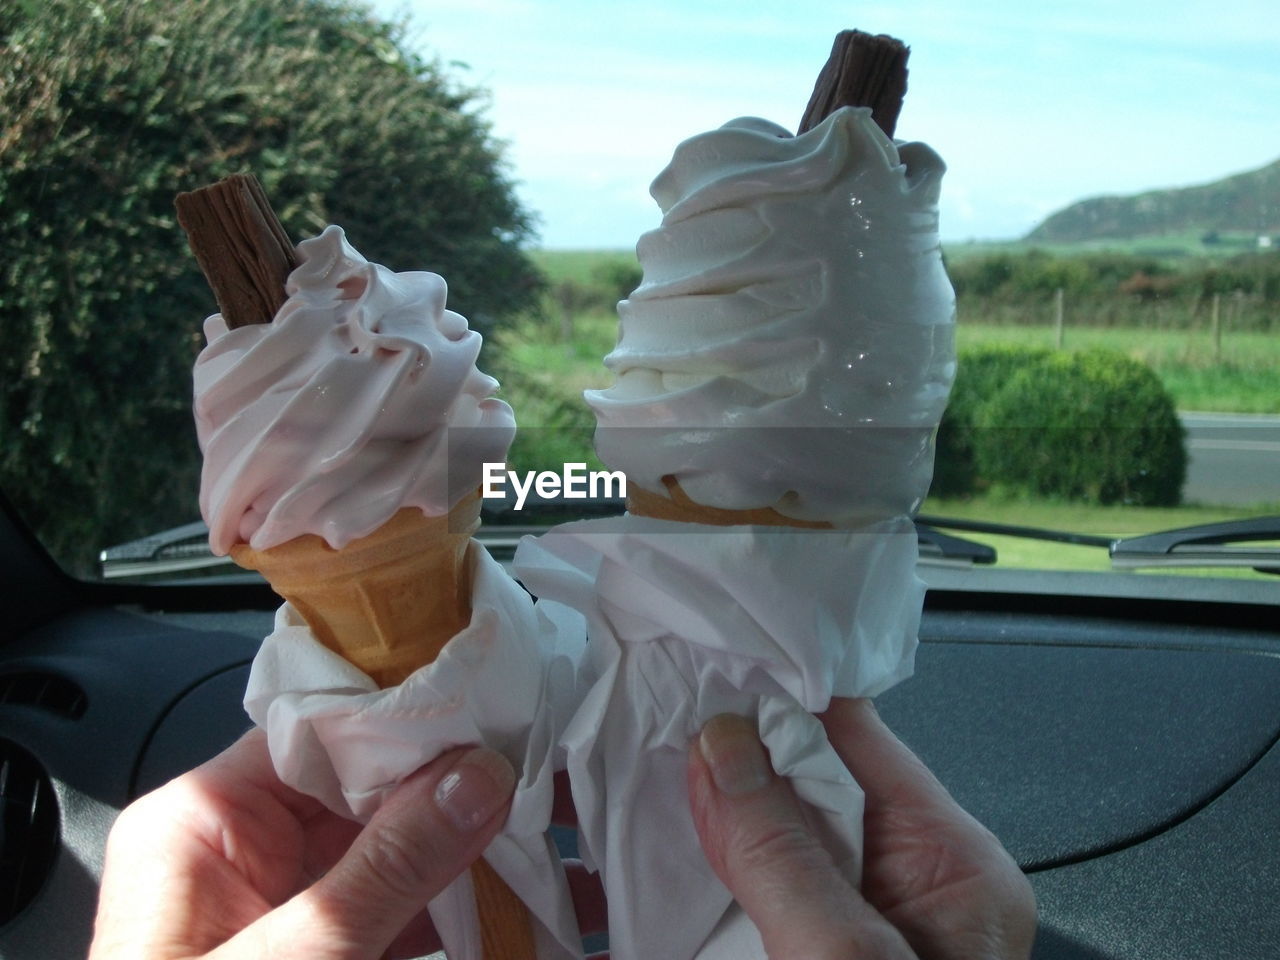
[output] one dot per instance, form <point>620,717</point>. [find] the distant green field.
<point>577,265</point>
<point>1173,247</point>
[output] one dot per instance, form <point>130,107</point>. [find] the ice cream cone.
<point>676,505</point>
<point>387,602</point>
<point>390,601</point>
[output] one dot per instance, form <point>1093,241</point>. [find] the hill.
<point>1243,204</point>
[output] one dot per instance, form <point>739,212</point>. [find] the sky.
<point>1032,105</point>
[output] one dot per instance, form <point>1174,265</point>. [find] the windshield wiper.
<point>185,549</point>
<point>942,549</point>
<point>1011,530</point>
<point>1204,545</point>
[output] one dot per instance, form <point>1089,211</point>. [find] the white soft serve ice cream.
<point>792,341</point>
<point>360,398</point>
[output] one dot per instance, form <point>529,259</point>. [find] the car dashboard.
<point>1123,748</point>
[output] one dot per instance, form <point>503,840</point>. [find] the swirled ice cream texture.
<point>360,398</point>
<point>791,343</point>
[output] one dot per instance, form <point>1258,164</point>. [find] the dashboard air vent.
<point>48,691</point>
<point>28,829</point>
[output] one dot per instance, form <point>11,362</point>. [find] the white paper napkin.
<point>506,681</point>
<point>688,621</point>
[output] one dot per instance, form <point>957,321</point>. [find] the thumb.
<point>755,836</point>
<point>429,830</point>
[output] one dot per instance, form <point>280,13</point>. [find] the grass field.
<point>1171,247</point>
<point>577,265</point>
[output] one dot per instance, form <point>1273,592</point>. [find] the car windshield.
<point>1109,221</point>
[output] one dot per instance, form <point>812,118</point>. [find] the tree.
<point>111,108</point>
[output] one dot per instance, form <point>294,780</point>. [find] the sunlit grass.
<point>538,360</point>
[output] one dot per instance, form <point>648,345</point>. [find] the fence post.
<point>1215,324</point>
<point>1057,318</point>
<point>1237,308</point>
<point>568,298</point>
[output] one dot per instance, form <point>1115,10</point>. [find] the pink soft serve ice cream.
<point>360,398</point>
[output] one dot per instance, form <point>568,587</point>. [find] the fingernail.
<point>732,749</point>
<point>475,788</point>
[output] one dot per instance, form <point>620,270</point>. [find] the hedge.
<point>1092,427</point>
<point>980,374</point>
<point>1095,427</point>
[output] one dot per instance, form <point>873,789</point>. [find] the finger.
<point>426,833</point>
<point>244,786</point>
<point>940,876</point>
<point>241,786</point>
<point>418,939</point>
<point>224,832</point>
<point>889,773</point>
<point>903,797</point>
<point>327,837</point>
<point>755,836</point>
<point>247,765</point>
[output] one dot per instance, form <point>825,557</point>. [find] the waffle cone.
<point>388,602</point>
<point>675,504</point>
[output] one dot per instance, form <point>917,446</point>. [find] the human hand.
<point>227,862</point>
<point>936,884</point>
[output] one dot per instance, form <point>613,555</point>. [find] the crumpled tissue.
<point>505,681</point>
<point>687,621</point>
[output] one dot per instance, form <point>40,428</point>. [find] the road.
<point>1234,459</point>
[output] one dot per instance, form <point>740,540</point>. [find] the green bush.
<point>980,374</point>
<point>110,108</point>
<point>1096,427</point>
